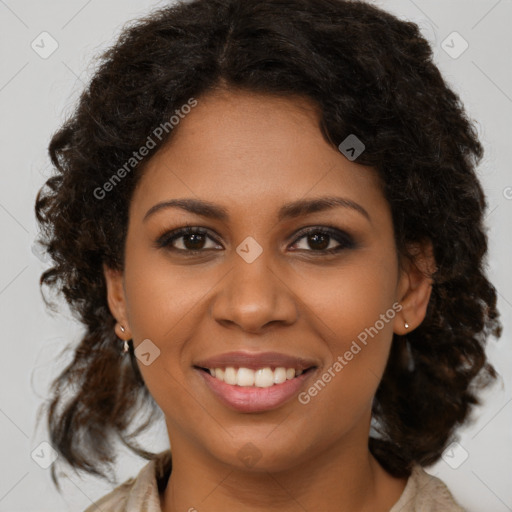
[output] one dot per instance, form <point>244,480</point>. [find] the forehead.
<point>250,149</point>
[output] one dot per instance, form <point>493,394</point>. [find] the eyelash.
<point>344,239</point>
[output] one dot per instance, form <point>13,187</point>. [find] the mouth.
<point>254,390</point>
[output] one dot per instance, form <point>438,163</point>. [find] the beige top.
<point>422,493</point>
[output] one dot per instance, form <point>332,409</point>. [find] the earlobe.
<point>116,300</point>
<point>415,288</point>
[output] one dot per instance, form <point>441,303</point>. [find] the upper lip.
<point>255,360</point>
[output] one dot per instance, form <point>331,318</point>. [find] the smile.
<point>255,381</point>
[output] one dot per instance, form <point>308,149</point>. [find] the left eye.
<point>325,240</point>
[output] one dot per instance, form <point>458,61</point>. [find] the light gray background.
<point>36,94</point>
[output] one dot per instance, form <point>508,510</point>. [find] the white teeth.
<point>261,378</point>
<point>279,375</point>
<point>230,376</point>
<point>245,377</point>
<point>264,378</point>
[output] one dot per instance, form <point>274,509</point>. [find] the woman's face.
<point>259,292</point>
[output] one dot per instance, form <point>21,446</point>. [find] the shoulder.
<point>425,493</point>
<point>141,492</point>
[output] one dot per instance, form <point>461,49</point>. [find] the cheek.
<point>167,304</point>
<point>352,298</point>
<point>162,304</point>
<point>354,312</point>
<point>160,296</point>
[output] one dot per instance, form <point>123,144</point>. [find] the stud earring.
<point>126,345</point>
<point>406,325</point>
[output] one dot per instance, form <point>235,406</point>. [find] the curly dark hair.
<point>370,74</point>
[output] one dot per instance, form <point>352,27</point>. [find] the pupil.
<point>320,239</point>
<point>196,240</point>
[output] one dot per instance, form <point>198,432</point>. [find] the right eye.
<point>191,239</point>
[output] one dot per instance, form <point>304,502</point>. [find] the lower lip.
<point>254,399</point>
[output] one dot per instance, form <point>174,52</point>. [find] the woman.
<point>272,207</point>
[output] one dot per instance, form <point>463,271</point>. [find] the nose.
<point>253,296</point>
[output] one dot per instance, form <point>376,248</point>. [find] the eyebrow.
<point>291,210</point>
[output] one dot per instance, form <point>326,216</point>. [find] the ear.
<point>415,286</point>
<point>117,301</point>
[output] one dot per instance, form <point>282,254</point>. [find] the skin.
<point>251,154</point>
